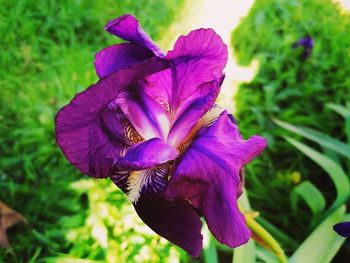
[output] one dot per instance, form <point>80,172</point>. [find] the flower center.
<point>155,179</point>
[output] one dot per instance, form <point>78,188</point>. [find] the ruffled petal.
<point>119,56</point>
<point>147,154</point>
<point>128,28</point>
<point>343,229</point>
<point>208,175</point>
<point>81,129</point>
<point>174,220</point>
<point>197,58</point>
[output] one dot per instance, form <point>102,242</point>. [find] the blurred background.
<point>288,79</point>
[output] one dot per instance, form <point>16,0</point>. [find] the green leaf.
<point>245,253</point>
<point>320,138</point>
<point>323,243</point>
<point>265,255</point>
<point>334,170</point>
<point>209,248</point>
<point>311,195</point>
<point>345,112</point>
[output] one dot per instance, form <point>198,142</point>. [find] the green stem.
<point>266,238</point>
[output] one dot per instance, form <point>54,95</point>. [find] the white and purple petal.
<point>147,116</point>
<point>191,111</point>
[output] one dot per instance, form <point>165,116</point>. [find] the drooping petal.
<point>174,220</point>
<point>343,229</point>
<point>197,58</point>
<point>80,132</point>
<point>119,56</point>
<point>128,28</point>
<point>147,154</point>
<point>208,175</point>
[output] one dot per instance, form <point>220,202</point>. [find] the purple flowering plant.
<point>151,125</point>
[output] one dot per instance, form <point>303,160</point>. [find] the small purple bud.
<point>307,43</point>
<point>342,229</point>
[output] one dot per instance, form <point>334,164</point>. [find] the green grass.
<point>296,91</point>
<point>47,52</point>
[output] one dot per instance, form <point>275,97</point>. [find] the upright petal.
<point>197,58</point>
<point>208,175</point>
<point>113,58</point>
<point>128,28</point>
<point>192,110</point>
<point>174,220</point>
<point>148,117</point>
<point>147,154</point>
<point>81,126</point>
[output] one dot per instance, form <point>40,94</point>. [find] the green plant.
<point>295,90</point>
<point>330,161</point>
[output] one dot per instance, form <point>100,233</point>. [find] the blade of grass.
<point>323,243</point>
<point>311,195</point>
<point>320,138</point>
<point>345,112</point>
<point>333,169</point>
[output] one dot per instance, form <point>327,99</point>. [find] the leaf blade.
<point>323,243</point>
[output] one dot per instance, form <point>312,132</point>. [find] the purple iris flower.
<point>151,124</point>
<point>342,229</point>
<point>307,43</point>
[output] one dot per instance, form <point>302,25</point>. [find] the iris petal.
<point>192,110</point>
<point>119,56</point>
<point>133,106</point>
<point>147,154</point>
<point>174,220</point>
<point>79,132</point>
<point>147,116</point>
<point>153,180</point>
<point>197,58</point>
<point>208,175</point>
<point>127,27</point>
